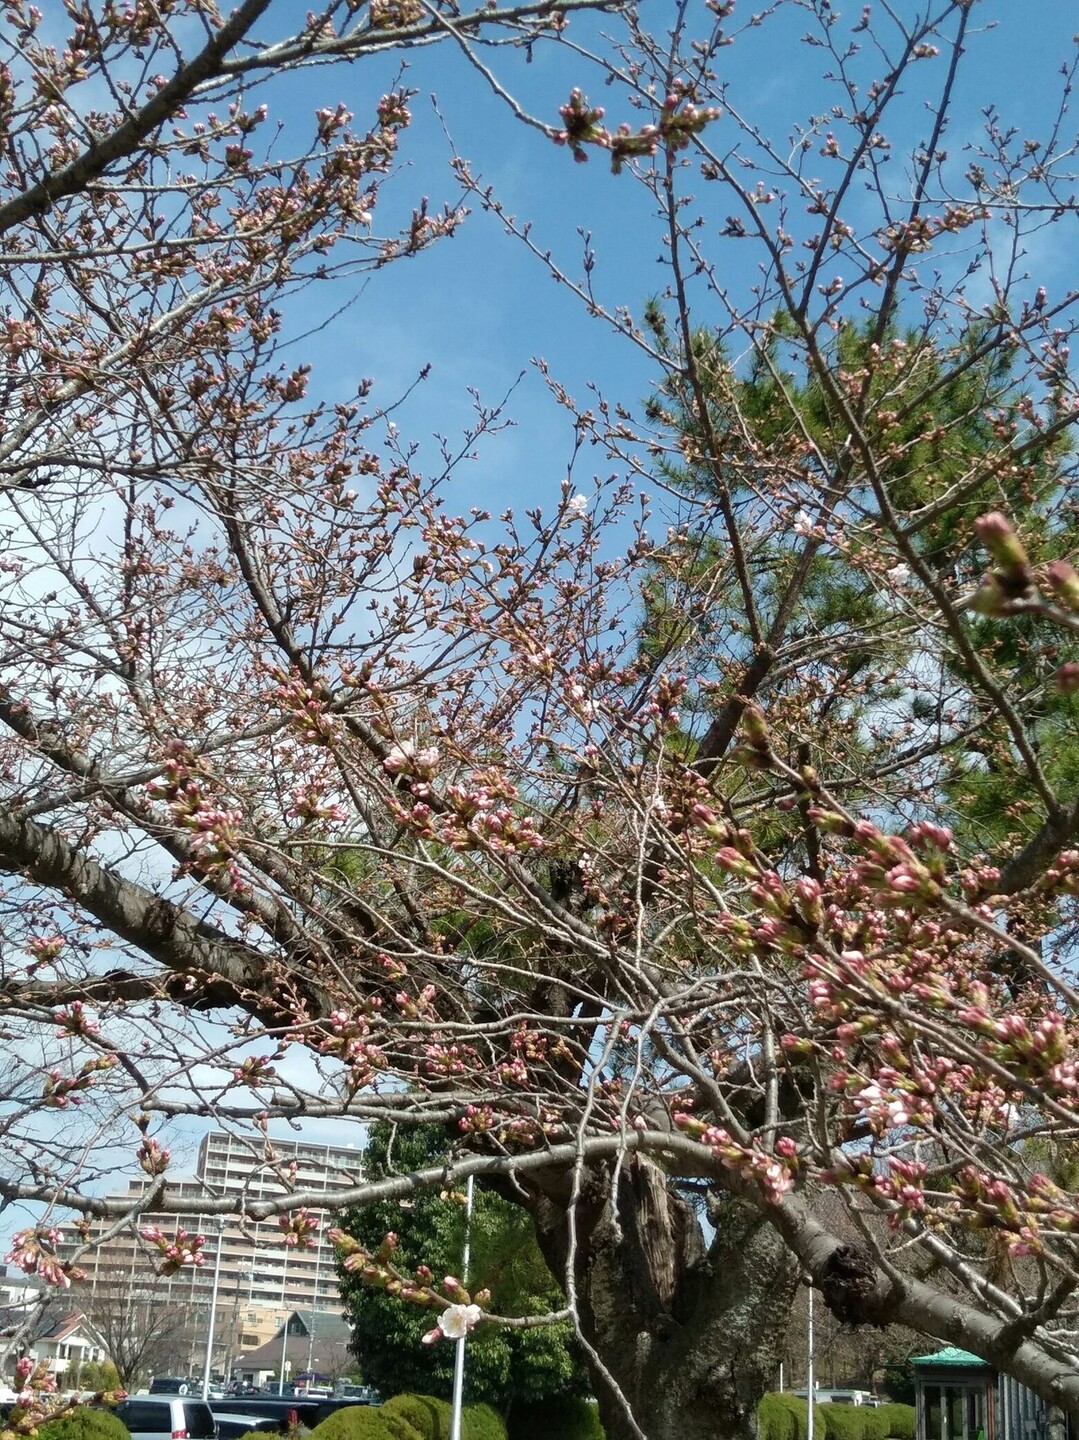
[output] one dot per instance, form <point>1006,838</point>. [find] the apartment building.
<point>261,1280</point>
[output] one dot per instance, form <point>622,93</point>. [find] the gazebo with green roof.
<point>959,1396</point>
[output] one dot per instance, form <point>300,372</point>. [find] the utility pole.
<point>809,1367</point>
<point>459,1358</point>
<point>213,1314</point>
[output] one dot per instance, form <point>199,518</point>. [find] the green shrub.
<point>775,1420</point>
<point>355,1422</point>
<point>85,1423</point>
<point>261,1434</point>
<point>841,1422</point>
<point>898,1421</point>
<point>800,1413</point>
<point>563,1419</point>
<point>480,1422</point>
<point>876,1426</point>
<point>442,1411</point>
<point>410,1418</point>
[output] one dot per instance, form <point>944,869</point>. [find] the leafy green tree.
<point>505,1366</point>
<point>850,673</point>
<point>92,1375</point>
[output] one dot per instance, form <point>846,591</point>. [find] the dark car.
<point>231,1427</point>
<point>172,1385</point>
<point>167,1417</point>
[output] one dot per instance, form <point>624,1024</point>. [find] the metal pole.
<point>459,1358</point>
<point>213,1317</point>
<point>284,1331</point>
<point>809,1368</point>
<point>314,1311</point>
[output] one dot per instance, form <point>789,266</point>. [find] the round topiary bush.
<point>480,1422</point>
<point>409,1417</point>
<point>775,1420</point>
<point>876,1426</point>
<point>356,1422</point>
<point>442,1413</point>
<point>899,1420</point>
<point>86,1422</point>
<point>841,1422</point>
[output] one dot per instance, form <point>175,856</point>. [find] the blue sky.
<point>478,308</point>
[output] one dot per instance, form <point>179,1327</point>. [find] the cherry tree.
<point>692,850</point>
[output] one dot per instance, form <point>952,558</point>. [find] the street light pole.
<point>459,1358</point>
<point>284,1331</point>
<point>213,1315</point>
<point>314,1312</point>
<point>809,1367</point>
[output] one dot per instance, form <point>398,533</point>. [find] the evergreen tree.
<point>504,1366</point>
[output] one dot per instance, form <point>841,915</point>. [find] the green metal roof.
<point>950,1355</point>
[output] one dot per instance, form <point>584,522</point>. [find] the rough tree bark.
<point>692,1333</point>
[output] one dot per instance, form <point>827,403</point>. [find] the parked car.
<point>167,1417</point>
<point>231,1427</point>
<point>172,1385</point>
<point>362,1394</point>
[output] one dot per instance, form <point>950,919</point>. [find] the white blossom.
<point>457,1320</point>
<point>898,573</point>
<point>576,508</point>
<point>803,523</point>
<point>407,755</point>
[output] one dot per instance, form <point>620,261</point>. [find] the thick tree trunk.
<point>691,1334</point>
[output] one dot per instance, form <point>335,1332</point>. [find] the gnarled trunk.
<point>691,1333</point>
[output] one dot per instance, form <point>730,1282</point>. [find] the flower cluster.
<point>60,1090</point>
<point>34,1251</point>
<point>461,1311</point>
<point>348,1040</point>
<point>299,1230</point>
<point>774,1174</point>
<point>153,1157</point>
<point>176,1250</point>
<point>678,121</point>
<point>74,1020</point>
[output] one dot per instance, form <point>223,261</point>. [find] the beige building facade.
<point>261,1280</point>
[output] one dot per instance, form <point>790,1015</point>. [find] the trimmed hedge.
<point>442,1411</point>
<point>775,1420</point>
<point>85,1423</point>
<point>899,1420</point>
<point>786,1417</point>
<point>480,1422</point>
<point>875,1423</point>
<point>409,1418</point>
<point>355,1422</point>
<point>798,1411</point>
<point>841,1422</point>
<point>565,1419</point>
<point>404,1417</point>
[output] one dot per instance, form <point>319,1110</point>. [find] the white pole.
<point>284,1332</point>
<point>781,1377</point>
<point>809,1368</point>
<point>314,1311</point>
<point>213,1317</point>
<point>459,1358</point>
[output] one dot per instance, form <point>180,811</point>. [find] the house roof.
<point>308,1329</point>
<point>51,1324</point>
<point>298,1350</point>
<point>59,1327</point>
<point>951,1355</point>
<point>323,1324</point>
